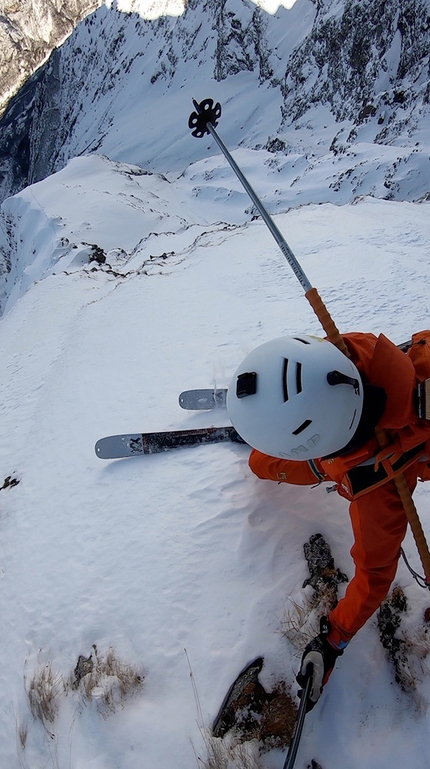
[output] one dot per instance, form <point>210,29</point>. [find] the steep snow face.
<point>205,191</point>
<point>184,550</point>
<point>320,80</point>
<point>29,31</point>
<point>145,205</point>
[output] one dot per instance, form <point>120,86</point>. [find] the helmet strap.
<point>336,378</point>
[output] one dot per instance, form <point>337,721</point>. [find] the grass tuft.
<point>106,679</point>
<point>43,692</point>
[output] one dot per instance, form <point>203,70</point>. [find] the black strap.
<point>374,400</point>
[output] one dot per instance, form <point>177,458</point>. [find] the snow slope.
<point>151,556</point>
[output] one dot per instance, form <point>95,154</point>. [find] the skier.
<point>309,413</point>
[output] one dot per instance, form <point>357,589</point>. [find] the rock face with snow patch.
<point>362,65</point>
<point>46,123</point>
<point>364,60</point>
<point>29,31</point>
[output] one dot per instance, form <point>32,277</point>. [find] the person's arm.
<point>286,470</point>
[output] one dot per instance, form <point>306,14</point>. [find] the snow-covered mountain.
<point>29,31</point>
<point>340,83</point>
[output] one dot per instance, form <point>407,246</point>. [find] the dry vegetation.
<point>102,679</point>
<point>105,679</point>
<point>43,692</point>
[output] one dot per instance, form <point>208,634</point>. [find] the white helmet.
<point>296,397</point>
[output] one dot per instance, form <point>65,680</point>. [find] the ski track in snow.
<point>186,550</point>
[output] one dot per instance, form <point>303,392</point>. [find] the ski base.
<point>137,444</point>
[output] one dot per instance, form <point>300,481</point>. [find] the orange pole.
<point>326,320</point>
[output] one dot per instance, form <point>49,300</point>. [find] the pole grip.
<point>326,320</point>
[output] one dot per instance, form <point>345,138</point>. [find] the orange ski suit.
<point>377,514</point>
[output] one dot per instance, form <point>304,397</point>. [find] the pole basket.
<point>206,112</point>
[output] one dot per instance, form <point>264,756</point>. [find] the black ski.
<point>247,681</point>
<point>246,707</point>
<point>136,444</point>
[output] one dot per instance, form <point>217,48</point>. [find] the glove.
<point>318,660</point>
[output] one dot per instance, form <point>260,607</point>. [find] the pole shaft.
<point>283,245</point>
<point>326,320</point>
<point>298,727</point>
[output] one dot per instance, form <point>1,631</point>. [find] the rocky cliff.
<point>29,30</point>
<point>364,60</point>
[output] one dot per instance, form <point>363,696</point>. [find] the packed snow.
<point>186,550</point>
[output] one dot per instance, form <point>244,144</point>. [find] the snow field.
<point>154,555</point>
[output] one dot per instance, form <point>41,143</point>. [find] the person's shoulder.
<point>361,347</point>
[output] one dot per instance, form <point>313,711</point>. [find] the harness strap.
<point>381,469</point>
<point>423,399</point>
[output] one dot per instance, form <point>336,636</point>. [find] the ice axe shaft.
<point>203,121</point>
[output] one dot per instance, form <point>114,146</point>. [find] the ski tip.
<point>98,449</point>
<point>246,680</point>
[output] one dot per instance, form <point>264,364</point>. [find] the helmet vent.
<point>303,341</point>
<point>299,386</point>
<point>285,380</point>
<point>299,377</point>
<point>302,427</point>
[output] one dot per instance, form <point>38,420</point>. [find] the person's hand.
<point>318,660</point>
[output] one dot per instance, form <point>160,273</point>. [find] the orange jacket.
<point>377,514</point>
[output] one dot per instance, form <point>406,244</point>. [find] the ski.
<point>203,399</point>
<point>250,709</point>
<point>137,444</point>
<point>246,686</point>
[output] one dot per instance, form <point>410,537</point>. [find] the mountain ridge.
<point>327,79</point>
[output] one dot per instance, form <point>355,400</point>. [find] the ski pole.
<point>203,121</point>
<point>298,726</point>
